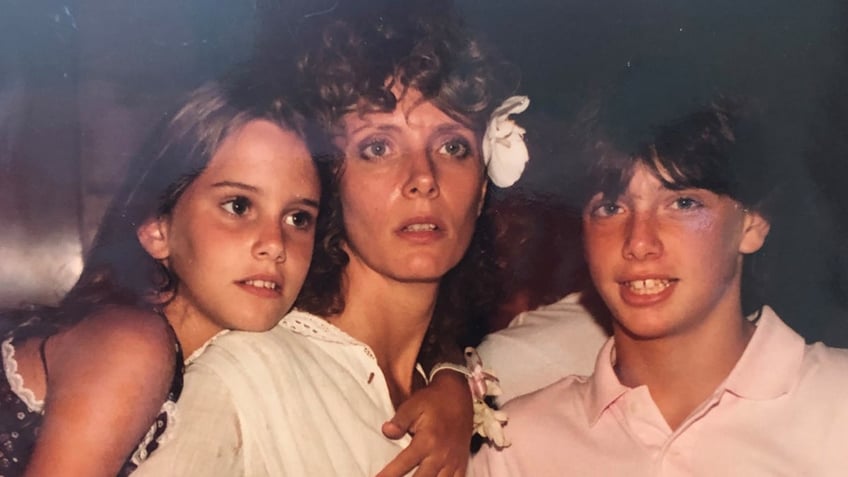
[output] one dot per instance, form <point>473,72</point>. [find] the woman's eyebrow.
<point>452,127</point>
<point>379,127</point>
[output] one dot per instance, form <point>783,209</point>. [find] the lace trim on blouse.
<point>307,324</point>
<point>196,353</point>
<point>16,381</point>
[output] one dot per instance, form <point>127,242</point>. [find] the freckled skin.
<point>694,238</point>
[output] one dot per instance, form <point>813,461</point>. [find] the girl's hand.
<point>440,419</point>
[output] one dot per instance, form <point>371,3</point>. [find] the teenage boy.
<point>688,384</point>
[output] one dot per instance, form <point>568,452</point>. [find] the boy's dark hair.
<point>719,147</point>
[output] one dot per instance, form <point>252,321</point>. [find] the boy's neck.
<point>681,371</point>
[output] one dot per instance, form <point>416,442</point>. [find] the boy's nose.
<point>642,241</point>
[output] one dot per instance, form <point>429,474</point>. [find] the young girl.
<point>405,97</point>
<point>212,230</point>
<point>695,380</point>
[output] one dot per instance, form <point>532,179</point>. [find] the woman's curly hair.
<point>353,64</point>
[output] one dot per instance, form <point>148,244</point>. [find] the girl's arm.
<point>440,419</point>
<point>107,378</point>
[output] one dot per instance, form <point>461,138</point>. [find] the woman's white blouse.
<point>301,399</point>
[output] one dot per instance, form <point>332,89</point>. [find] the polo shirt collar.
<point>604,386</point>
<point>773,346</point>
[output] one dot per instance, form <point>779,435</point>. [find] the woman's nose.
<point>422,180</point>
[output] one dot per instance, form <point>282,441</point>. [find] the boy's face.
<point>668,261</point>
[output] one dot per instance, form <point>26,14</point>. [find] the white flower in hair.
<point>504,151</point>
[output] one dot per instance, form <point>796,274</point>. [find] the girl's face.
<point>240,237</point>
<point>667,262</point>
<point>411,188</point>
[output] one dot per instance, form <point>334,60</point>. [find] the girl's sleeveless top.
<point>21,416</point>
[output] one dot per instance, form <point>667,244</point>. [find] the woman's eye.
<point>237,205</point>
<point>686,203</point>
<point>299,220</point>
<point>374,149</point>
<point>456,148</point>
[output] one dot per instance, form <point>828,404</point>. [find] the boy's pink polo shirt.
<point>783,410</point>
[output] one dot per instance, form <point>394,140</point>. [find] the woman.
<point>213,229</point>
<point>398,271</point>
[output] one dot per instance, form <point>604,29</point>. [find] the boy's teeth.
<point>420,227</point>
<point>261,284</point>
<point>649,286</point>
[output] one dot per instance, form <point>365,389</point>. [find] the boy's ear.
<point>755,232</point>
<point>153,236</point>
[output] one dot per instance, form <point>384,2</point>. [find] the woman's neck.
<point>391,317</point>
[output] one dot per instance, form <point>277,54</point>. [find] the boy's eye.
<point>374,149</point>
<point>686,203</point>
<point>606,209</point>
<point>299,220</point>
<point>456,147</point>
<point>237,205</point>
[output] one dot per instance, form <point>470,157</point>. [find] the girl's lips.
<point>262,287</point>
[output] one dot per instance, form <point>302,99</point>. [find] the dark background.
<point>82,82</point>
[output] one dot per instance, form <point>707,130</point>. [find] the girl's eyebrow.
<point>309,202</point>
<point>240,185</point>
<point>237,185</point>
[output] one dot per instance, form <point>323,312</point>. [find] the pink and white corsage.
<point>504,151</point>
<point>488,422</point>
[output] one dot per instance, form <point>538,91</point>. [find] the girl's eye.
<point>237,205</point>
<point>458,148</point>
<point>374,149</point>
<point>686,203</point>
<point>299,220</point>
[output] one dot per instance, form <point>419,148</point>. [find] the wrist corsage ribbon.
<point>488,422</point>
<point>504,151</point>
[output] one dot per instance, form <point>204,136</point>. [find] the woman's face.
<point>411,189</point>
<point>240,237</point>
